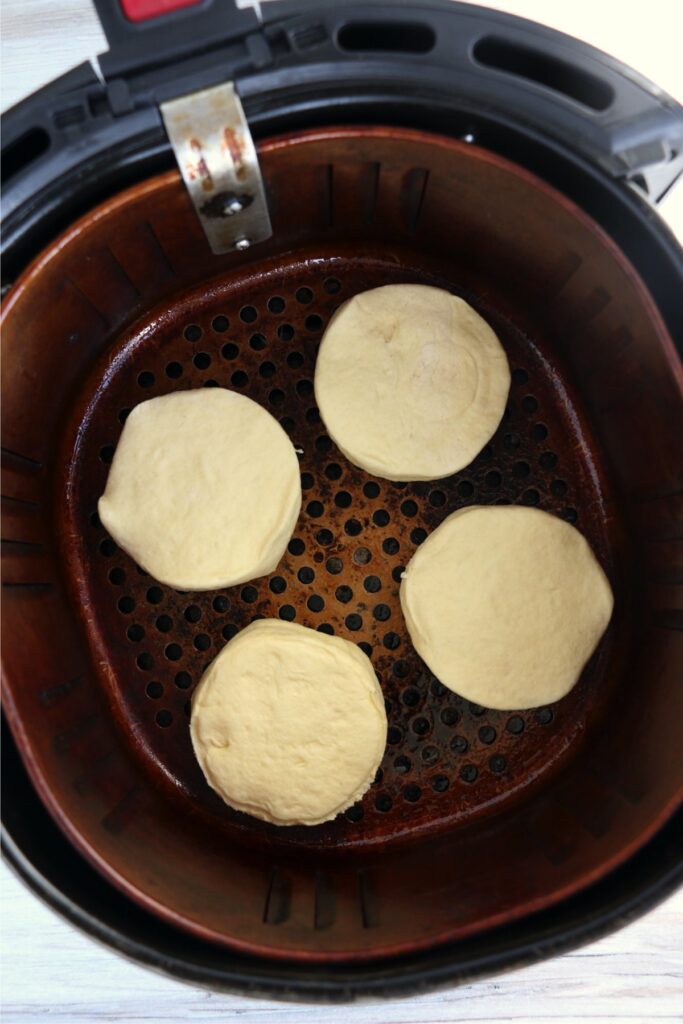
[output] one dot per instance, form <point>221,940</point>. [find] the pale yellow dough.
<point>411,382</point>
<point>204,490</point>
<point>288,724</point>
<point>506,605</point>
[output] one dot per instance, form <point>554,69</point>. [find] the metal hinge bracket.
<point>217,158</point>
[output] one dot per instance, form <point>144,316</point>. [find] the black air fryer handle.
<point>560,86</point>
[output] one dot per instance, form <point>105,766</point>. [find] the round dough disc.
<point>410,381</point>
<point>288,724</point>
<point>204,490</point>
<point>506,605</point>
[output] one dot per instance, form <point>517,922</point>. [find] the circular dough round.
<point>288,724</point>
<point>204,490</point>
<point>506,605</point>
<point>410,381</point>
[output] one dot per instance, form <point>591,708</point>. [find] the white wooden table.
<point>51,972</point>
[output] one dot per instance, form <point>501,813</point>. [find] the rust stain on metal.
<point>233,143</point>
<point>199,169</point>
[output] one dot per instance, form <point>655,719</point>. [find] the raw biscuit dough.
<point>410,381</point>
<point>204,490</point>
<point>288,724</point>
<point>506,605</point>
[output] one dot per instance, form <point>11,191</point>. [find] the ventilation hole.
<point>229,631</point>
<point>402,764</point>
<point>401,669</point>
<point>539,431</point>
<point>193,613</point>
<point>531,497</point>
<point>123,415</point>
<point>391,641</point>
<point>493,479</point>
<point>440,783</point>
<point>409,508</point>
<point>183,680</point>
<point>381,517</point>
<point>202,641</point>
<point>202,360</point>
<point>549,71</point>
<point>437,499</point>
<point>411,697</point>
<point>278,584</point>
<point>459,744</point>
<point>248,314</point>
<point>353,622</point>
<point>361,556</point>
<point>287,423</point>
<point>174,370</point>
<point>304,388</point>
<point>220,604</point>
<point>249,594</point>
<point>126,605</point>
<point>430,755</point>
<point>412,793</point>
<point>315,603</point>
<point>354,814</point>
<point>352,527</point>
<point>569,515</point>
<point>154,690</point>
<point>145,661</point>
<point>163,718</point>
<point>548,460</point>
<point>468,773</point>
<point>305,575</point>
<point>140,571</point>
<point>287,612</point>
<point>334,565</point>
<point>164,623</point>
<point>381,612</point>
<point>107,453</point>
<point>257,342</point>
<point>296,546</point>
<point>155,595</point>
<point>303,295</point>
<point>437,688</point>
<point>370,489</point>
<point>558,488</point>
<point>383,802</point>
<point>529,404</point>
<point>314,509</point>
<point>211,383</point>
<point>397,573</point>
<point>390,546</point>
<point>173,652</point>
<point>220,324</point>
<point>239,378</point>
<point>420,726</point>
<point>394,735</point>
<point>418,535</point>
<point>520,376</point>
<point>266,369</point>
<point>372,584</point>
<point>323,443</point>
<point>295,360</point>
<point>325,627</point>
<point>276,304</point>
<point>521,469</point>
<point>487,734</point>
<point>192,333</point>
<point>477,710</point>
<point>145,379</point>
<point>365,647</point>
<point>307,481</point>
<point>313,323</point>
<point>230,351</point>
<point>342,499</point>
<point>544,716</point>
<point>117,577</point>
<point>515,725</point>
<point>343,594</point>
<point>331,285</point>
<point>465,489</point>
<point>449,716</point>
<point>333,471</point>
<point>135,633</point>
<point>285,332</point>
<point>497,763</point>
<point>324,537</point>
<point>313,415</point>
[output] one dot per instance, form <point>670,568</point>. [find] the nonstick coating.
<point>476,817</point>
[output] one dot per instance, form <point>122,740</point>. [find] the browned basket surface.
<point>512,809</point>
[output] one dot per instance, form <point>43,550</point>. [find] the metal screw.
<point>242,243</point>
<point>233,206</point>
<point>469,137</point>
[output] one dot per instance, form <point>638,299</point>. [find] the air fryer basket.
<point>476,817</point>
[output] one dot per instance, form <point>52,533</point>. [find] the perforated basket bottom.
<point>446,759</point>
